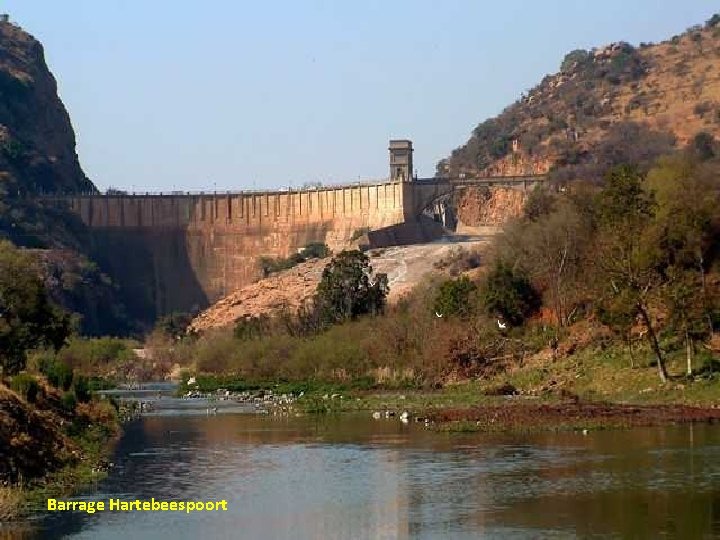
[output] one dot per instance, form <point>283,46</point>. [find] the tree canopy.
<point>348,288</point>
<point>28,319</point>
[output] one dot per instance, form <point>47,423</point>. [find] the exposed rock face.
<point>286,290</point>
<point>483,207</point>
<point>37,142</point>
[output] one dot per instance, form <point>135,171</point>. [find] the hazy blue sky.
<point>189,95</point>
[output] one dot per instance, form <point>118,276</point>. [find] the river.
<point>350,476</point>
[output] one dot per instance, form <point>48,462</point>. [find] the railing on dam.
<point>488,181</point>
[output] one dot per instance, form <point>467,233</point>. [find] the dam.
<point>179,252</point>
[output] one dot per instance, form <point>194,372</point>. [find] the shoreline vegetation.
<point>53,441</point>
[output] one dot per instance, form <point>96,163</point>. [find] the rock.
<point>33,120</point>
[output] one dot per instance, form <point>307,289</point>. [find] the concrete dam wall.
<point>182,252</point>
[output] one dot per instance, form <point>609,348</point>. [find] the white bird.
<point>404,416</point>
<point>438,315</point>
<point>501,325</point>
<point>376,415</point>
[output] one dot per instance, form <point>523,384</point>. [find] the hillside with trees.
<point>658,97</point>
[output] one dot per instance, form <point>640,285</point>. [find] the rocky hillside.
<point>405,266</point>
<point>37,147</point>
<point>657,96</point>
<point>483,207</point>
<point>37,142</point>
<point>37,155</point>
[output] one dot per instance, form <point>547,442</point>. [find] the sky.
<point>229,94</point>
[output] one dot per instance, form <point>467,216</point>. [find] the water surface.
<point>354,477</point>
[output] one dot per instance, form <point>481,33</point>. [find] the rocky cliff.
<point>37,142</point>
<point>482,207</point>
<point>37,155</point>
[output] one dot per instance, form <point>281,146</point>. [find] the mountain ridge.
<point>669,92</point>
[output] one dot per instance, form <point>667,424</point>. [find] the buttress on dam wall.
<point>181,252</point>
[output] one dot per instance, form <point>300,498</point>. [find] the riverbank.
<point>50,444</point>
<point>592,388</point>
<point>569,416</point>
<point>452,411</point>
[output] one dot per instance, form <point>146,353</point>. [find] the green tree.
<point>540,202</point>
<point>687,217</point>
<point>59,374</point>
<point>628,255</point>
<point>82,389</point>
<point>508,293</point>
<point>28,319</point>
<point>703,146</point>
<point>687,316</point>
<point>552,251</point>
<point>578,56</point>
<point>348,288</point>
<point>618,313</point>
<point>174,325</point>
<point>455,297</point>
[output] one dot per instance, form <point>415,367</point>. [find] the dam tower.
<point>401,160</point>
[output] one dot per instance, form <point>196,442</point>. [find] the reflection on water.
<point>352,477</point>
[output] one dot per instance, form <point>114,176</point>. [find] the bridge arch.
<point>433,196</point>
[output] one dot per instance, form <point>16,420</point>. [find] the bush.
<point>540,202</point>
<point>59,375</point>
<point>348,288</point>
<point>174,325</point>
<point>26,386</point>
<point>248,328</point>
<point>455,298</point>
<point>68,401</point>
<point>508,293</point>
<point>572,58</point>
<point>82,389</point>
<point>91,355</point>
<point>313,250</point>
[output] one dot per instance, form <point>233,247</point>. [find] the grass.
<point>81,439</point>
<point>592,375</point>
<point>11,500</point>
<point>95,443</point>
